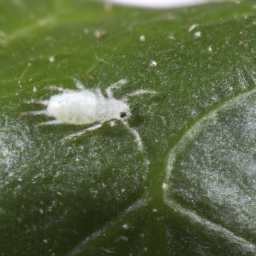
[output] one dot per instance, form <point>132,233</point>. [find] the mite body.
<point>83,107</point>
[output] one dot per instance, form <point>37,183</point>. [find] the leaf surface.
<point>190,192</point>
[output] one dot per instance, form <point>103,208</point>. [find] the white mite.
<point>83,107</point>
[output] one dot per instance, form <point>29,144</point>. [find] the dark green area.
<point>98,194</point>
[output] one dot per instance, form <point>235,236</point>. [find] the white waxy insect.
<point>83,107</point>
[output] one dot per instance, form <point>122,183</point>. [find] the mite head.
<point>123,111</point>
<point>114,109</point>
<point>123,114</point>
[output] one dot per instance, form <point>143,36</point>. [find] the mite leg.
<point>54,88</point>
<point>50,122</point>
<point>35,113</point>
<point>137,93</point>
<point>78,84</point>
<point>71,136</point>
<point>135,134</point>
<point>115,85</point>
<point>40,102</point>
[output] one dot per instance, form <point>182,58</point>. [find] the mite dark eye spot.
<point>123,114</point>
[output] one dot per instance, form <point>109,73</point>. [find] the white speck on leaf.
<point>197,34</point>
<point>165,186</point>
<point>99,33</point>
<point>125,226</point>
<point>51,59</point>
<point>124,238</point>
<point>153,64</point>
<point>142,38</point>
<point>192,27</point>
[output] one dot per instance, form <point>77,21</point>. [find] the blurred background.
<point>162,3</point>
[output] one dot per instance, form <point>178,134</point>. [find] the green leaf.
<point>191,191</point>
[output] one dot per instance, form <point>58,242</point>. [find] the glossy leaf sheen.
<point>192,190</point>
